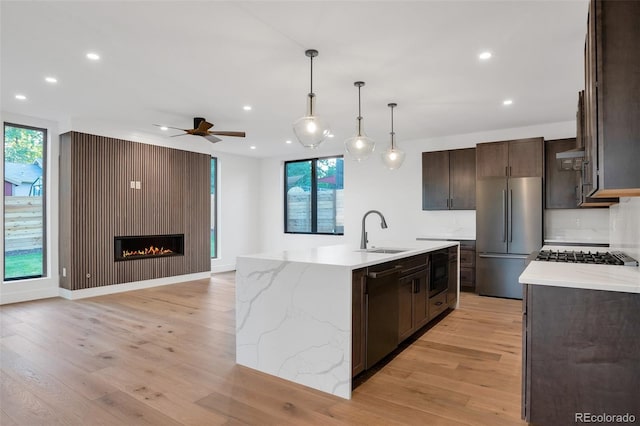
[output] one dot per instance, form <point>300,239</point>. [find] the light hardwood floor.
<point>165,356</point>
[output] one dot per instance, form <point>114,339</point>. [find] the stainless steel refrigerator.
<point>508,229</point>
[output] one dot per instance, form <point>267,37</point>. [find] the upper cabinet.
<point>561,186</point>
<point>449,180</point>
<point>611,108</point>
<point>517,158</point>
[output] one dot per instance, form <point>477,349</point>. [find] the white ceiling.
<point>168,61</point>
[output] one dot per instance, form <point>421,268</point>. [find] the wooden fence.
<point>23,226</point>
<point>330,211</point>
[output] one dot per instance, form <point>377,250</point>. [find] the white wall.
<point>239,209</point>
<point>47,286</point>
<point>397,194</point>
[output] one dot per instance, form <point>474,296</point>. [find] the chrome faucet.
<point>383,225</point>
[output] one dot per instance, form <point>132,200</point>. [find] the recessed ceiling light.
<point>252,147</point>
<point>507,102</point>
<point>21,97</point>
<point>247,107</point>
<point>330,135</point>
<point>93,56</point>
<point>164,128</point>
<point>51,80</point>
<point>484,55</point>
<point>287,141</point>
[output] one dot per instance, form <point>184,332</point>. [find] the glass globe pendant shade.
<point>311,130</point>
<point>360,146</point>
<point>393,158</point>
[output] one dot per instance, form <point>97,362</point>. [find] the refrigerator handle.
<point>504,215</point>
<point>511,215</point>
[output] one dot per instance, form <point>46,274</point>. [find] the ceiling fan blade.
<point>174,136</point>
<point>169,127</point>
<point>204,126</point>
<point>223,133</point>
<point>212,138</point>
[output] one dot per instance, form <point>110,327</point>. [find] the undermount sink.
<point>384,250</point>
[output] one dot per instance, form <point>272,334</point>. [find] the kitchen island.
<point>294,310</point>
<point>581,350</point>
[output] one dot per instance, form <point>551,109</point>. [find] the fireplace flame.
<point>147,251</point>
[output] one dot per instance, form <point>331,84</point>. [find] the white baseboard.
<point>27,295</point>
<point>136,285</point>
<point>223,268</point>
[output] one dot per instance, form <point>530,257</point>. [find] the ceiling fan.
<point>201,128</point>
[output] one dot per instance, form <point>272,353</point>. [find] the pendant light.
<point>393,157</point>
<point>359,146</point>
<point>311,130</point>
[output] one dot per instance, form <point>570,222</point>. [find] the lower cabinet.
<point>452,289</point>
<point>468,265</point>
<point>358,309</point>
<point>413,286</point>
<point>374,290</point>
<point>580,354</point>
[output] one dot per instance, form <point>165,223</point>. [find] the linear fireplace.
<point>147,246</point>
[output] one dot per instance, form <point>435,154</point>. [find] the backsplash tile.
<point>577,225</point>
<point>624,226</point>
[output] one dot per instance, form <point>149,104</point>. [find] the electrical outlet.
<point>577,223</point>
<point>64,272</point>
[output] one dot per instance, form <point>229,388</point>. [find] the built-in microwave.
<point>439,272</point>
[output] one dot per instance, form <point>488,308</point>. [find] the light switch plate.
<point>132,185</point>
<point>138,184</point>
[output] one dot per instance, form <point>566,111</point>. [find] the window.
<point>214,206</point>
<point>314,196</point>
<point>24,206</point>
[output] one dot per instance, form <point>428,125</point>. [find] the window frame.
<point>45,242</point>
<point>314,196</point>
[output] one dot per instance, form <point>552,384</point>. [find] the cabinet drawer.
<point>467,277</point>
<point>467,258</point>
<point>437,304</point>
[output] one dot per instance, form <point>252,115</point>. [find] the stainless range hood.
<point>571,159</point>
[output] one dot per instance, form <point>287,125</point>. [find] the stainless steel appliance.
<point>508,229</point>
<point>439,280</point>
<point>382,312</point>
<point>596,258</point>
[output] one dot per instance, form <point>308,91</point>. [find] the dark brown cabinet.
<point>468,265</point>
<point>358,335</point>
<point>452,289</point>
<point>585,175</point>
<point>561,186</point>
<point>517,158</point>
<point>611,107</point>
<point>391,301</point>
<point>448,180</point>
<point>578,354</point>
<point>413,300</point>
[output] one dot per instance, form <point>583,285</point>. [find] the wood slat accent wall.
<point>97,204</point>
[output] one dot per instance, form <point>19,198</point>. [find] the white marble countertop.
<point>350,256</point>
<point>624,279</point>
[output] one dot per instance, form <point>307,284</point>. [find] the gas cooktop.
<point>596,258</point>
